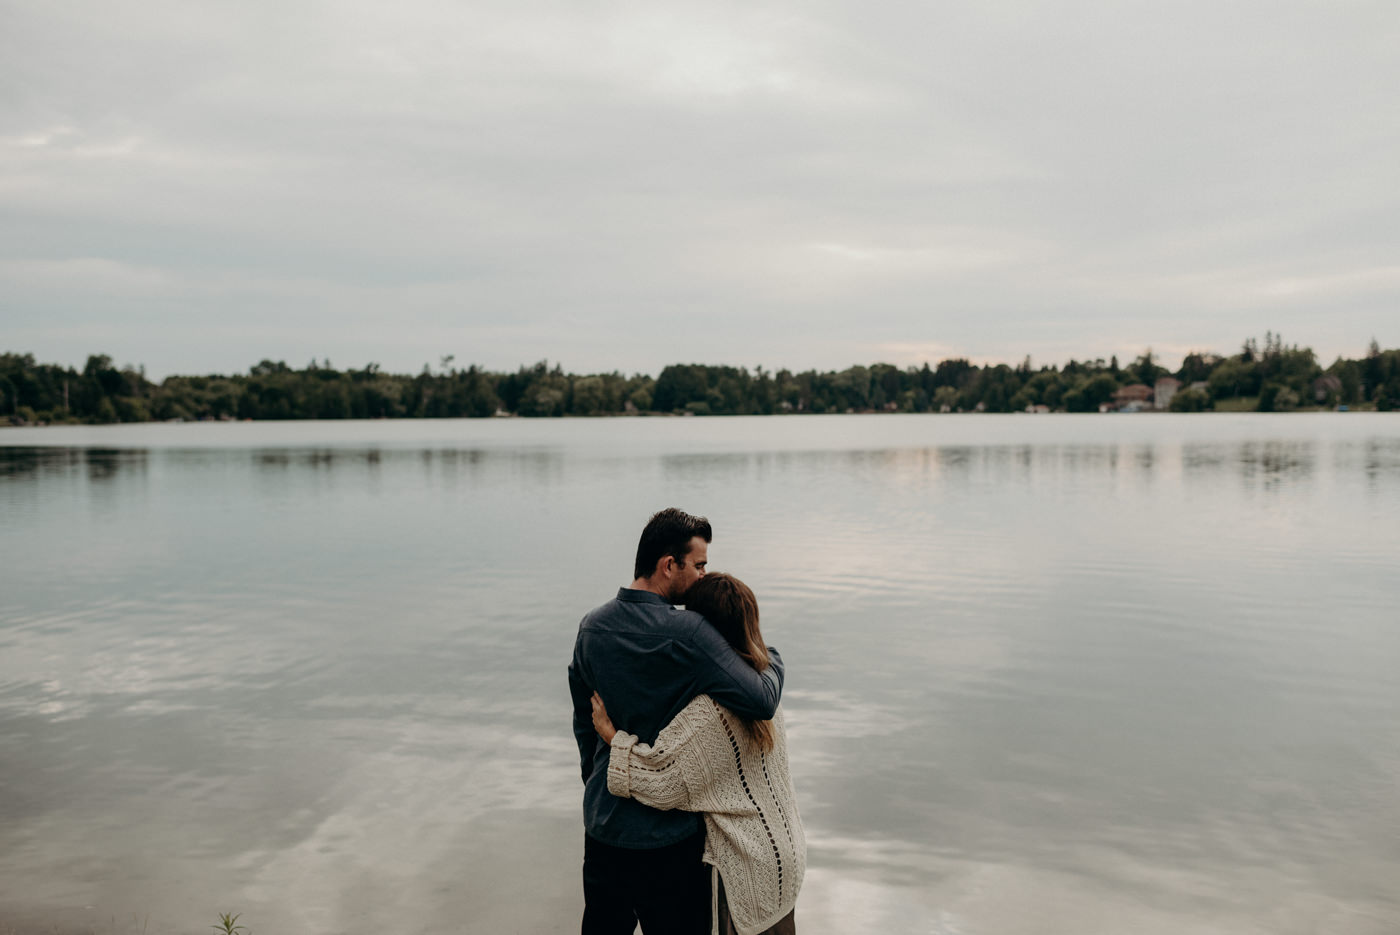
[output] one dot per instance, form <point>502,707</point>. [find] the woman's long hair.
<point>730,607</point>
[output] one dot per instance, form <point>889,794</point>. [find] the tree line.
<point>1268,377</point>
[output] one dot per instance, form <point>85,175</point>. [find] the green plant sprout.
<point>227,924</point>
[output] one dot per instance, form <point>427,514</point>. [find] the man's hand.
<point>601,722</point>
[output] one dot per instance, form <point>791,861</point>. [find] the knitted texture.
<point>704,761</point>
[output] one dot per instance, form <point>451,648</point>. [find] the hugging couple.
<point>688,808</point>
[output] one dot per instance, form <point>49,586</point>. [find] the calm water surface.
<point>1097,674</point>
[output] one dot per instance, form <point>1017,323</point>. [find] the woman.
<point>735,772</point>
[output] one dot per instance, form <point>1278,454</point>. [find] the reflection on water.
<point>1134,673</point>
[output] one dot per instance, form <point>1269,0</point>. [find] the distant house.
<point>1326,385</point>
<point>1200,385</point>
<point>1037,408</point>
<point>1137,395</point>
<point>1164,391</point>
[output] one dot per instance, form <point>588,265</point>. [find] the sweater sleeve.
<point>666,775</point>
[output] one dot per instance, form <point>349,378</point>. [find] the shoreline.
<point>604,416</point>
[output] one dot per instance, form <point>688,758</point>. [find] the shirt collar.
<point>641,597</point>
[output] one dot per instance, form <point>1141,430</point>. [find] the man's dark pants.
<point>667,889</point>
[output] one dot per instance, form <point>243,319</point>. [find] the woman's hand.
<point>601,722</point>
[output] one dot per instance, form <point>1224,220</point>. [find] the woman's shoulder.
<point>703,713</point>
<point>702,710</point>
<point>702,716</point>
<point>707,707</point>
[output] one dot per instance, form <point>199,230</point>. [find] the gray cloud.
<point>626,185</point>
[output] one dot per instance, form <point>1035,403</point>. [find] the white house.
<point>1163,392</point>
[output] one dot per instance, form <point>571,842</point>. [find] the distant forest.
<point>1271,377</point>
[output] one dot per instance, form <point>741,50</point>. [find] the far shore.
<point>1230,406</point>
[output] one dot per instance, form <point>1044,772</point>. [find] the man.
<point>647,660</point>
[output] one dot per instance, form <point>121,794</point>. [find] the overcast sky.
<point>195,186</point>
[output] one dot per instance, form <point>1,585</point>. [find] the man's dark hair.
<point>668,533</point>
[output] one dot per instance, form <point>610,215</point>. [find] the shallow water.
<point>1057,673</point>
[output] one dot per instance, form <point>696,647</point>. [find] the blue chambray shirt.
<point>647,660</point>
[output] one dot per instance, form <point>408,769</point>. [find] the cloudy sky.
<point>614,185</point>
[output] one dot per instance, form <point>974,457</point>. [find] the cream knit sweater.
<point>703,761</point>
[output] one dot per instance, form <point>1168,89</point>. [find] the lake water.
<point>1100,674</point>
